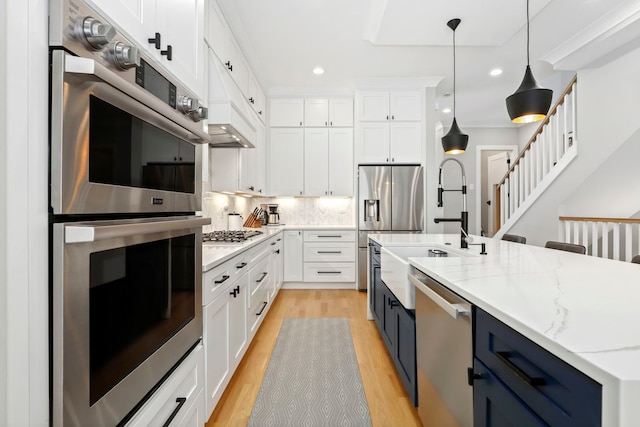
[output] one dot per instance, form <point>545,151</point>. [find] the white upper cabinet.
<point>286,160</point>
<point>328,112</point>
<point>286,112</point>
<point>390,142</point>
<point>180,24</point>
<point>256,98</point>
<point>378,106</point>
<point>341,165</point>
<point>328,162</point>
<point>217,35</point>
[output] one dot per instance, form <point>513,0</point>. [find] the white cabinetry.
<point>256,97</point>
<point>286,112</point>
<point>180,400</point>
<point>328,162</point>
<point>328,112</point>
<point>286,160</point>
<point>180,24</point>
<point>329,256</point>
<point>390,126</point>
<point>293,260</point>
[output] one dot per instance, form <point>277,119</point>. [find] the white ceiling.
<point>358,41</point>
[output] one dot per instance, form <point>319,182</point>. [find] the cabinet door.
<point>248,163</point>
<point>373,106</point>
<point>340,113</point>
<point>238,320</point>
<point>377,300</point>
<point>316,162</point>
<point>286,162</point>
<point>316,112</point>
<point>261,159</point>
<point>405,106</point>
<point>494,405</point>
<point>405,351</point>
<point>130,17</point>
<point>293,266</point>
<point>224,169</point>
<point>373,143</point>
<point>181,23</point>
<point>286,112</point>
<point>405,142</point>
<point>388,320</point>
<point>341,166</point>
<point>216,335</point>
<point>217,35</point>
<point>238,67</point>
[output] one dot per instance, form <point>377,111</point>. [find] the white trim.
<point>319,285</point>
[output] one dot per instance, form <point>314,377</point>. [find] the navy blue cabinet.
<point>397,325</point>
<point>518,379</point>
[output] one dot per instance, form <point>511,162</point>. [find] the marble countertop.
<point>581,308</point>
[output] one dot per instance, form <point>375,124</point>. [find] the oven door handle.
<point>87,232</point>
<point>87,66</point>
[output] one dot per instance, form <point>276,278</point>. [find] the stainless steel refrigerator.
<point>390,200</point>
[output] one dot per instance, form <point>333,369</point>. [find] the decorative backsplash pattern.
<point>293,210</point>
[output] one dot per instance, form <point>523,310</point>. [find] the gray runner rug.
<point>312,378</point>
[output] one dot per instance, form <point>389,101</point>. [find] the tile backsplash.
<point>293,210</point>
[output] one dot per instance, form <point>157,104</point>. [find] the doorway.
<point>492,163</point>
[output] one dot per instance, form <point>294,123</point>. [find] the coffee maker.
<point>274,216</point>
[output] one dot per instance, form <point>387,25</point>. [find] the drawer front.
<point>330,236</point>
<point>258,309</point>
<point>329,252</point>
<point>216,280</point>
<point>258,278</point>
<point>175,395</point>
<point>556,391</point>
<point>329,272</point>
<point>374,252</point>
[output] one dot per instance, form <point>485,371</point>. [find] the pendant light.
<point>454,142</point>
<point>530,102</point>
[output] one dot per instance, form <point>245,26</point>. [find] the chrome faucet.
<point>464,215</point>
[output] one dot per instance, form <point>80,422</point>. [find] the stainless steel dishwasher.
<point>444,353</point>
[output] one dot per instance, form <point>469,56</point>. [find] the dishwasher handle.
<point>454,310</point>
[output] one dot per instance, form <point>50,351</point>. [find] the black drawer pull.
<point>180,401</point>
<point>326,235</point>
<point>224,279</point>
<point>329,272</point>
<point>263,307</point>
<point>273,243</point>
<point>277,252</point>
<point>504,357</point>
<point>264,274</point>
<point>241,265</point>
<point>329,252</point>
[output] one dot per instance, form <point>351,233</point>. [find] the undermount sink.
<point>394,268</point>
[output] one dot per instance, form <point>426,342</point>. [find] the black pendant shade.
<point>530,102</point>
<point>454,142</point>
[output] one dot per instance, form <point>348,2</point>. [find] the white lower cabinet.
<point>179,400</point>
<point>293,256</point>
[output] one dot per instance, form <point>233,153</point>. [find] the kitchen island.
<point>579,308</point>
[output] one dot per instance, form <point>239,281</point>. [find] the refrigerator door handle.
<point>378,210</point>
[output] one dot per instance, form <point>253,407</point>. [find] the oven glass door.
<point>111,153</point>
<point>127,308</point>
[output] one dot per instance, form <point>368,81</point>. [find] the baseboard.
<point>319,285</point>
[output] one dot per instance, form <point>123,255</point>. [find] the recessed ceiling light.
<point>446,110</point>
<point>495,72</point>
<point>318,70</point>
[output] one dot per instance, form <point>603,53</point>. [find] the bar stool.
<point>514,238</point>
<point>636,259</point>
<point>569,247</point>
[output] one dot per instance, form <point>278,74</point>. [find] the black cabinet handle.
<point>273,243</point>
<point>387,117</point>
<point>393,117</point>
<point>505,357</point>
<point>229,66</point>
<point>241,265</point>
<point>278,251</point>
<point>264,274</point>
<point>329,252</point>
<point>235,292</point>
<point>393,303</point>
<point>278,239</point>
<point>168,52</point>
<point>472,376</point>
<point>260,112</point>
<point>329,236</point>
<point>155,41</point>
<point>180,401</point>
<point>224,279</point>
<point>251,100</point>
<point>329,272</point>
<point>264,305</point>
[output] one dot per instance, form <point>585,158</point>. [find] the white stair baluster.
<point>616,241</point>
<point>628,240</point>
<point>605,240</point>
<point>585,236</point>
<point>594,239</point>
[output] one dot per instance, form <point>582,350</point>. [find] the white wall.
<point>24,352</point>
<point>451,176</point>
<point>608,111</point>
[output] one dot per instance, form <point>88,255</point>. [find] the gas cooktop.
<point>229,236</point>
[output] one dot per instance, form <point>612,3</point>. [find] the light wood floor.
<point>389,405</point>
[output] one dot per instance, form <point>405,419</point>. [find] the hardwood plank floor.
<point>388,402</point>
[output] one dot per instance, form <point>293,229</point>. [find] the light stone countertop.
<point>581,308</point>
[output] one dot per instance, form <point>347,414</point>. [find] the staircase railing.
<point>550,149</point>
<point>613,238</point>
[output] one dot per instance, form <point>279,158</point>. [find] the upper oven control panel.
<point>81,30</point>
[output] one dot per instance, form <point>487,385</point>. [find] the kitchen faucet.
<point>464,215</point>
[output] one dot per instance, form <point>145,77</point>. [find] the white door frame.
<point>479,150</point>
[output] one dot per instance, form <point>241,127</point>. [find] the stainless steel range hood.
<point>230,120</point>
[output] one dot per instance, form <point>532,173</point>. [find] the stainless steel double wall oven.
<point>126,257</point>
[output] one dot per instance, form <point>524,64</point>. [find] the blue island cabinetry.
<point>397,325</point>
<point>518,383</point>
